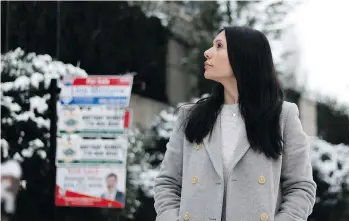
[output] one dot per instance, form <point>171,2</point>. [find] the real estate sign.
<point>92,142</point>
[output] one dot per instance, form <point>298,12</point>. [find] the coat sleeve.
<point>298,186</point>
<point>168,183</point>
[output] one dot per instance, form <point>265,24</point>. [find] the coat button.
<point>186,216</point>
<point>194,180</point>
<point>264,217</point>
<point>197,146</point>
<point>261,180</point>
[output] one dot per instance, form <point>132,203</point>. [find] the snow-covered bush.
<point>137,166</point>
<point>331,173</point>
<point>331,162</point>
<point>25,79</point>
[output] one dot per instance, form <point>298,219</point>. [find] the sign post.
<point>53,90</point>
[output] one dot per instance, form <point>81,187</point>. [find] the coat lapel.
<point>213,147</point>
<point>241,148</point>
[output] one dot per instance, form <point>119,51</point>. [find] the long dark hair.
<point>260,94</point>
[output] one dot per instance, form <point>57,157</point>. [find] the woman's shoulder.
<point>289,106</point>
<point>288,109</point>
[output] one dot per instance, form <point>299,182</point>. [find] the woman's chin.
<point>207,75</point>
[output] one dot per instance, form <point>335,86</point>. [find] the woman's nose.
<point>206,54</point>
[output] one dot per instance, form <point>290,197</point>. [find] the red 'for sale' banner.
<point>75,199</point>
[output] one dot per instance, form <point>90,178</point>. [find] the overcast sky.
<point>322,34</point>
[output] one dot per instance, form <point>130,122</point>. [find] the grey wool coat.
<point>190,185</point>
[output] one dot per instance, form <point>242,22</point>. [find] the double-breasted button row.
<point>194,180</point>
<point>263,216</point>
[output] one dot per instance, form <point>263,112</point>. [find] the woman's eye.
<point>219,45</point>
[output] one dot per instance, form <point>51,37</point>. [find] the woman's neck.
<point>231,94</point>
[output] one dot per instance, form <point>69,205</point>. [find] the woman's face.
<point>217,66</point>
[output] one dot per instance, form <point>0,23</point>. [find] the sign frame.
<point>114,90</point>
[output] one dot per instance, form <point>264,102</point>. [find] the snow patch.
<point>38,103</point>
<point>42,154</point>
<point>11,168</point>
<point>35,79</point>
<point>22,83</point>
<point>28,152</point>
<point>37,143</point>
<point>4,147</point>
<point>23,184</point>
<point>148,180</point>
<point>6,86</point>
<point>166,116</point>
<point>8,102</point>
<point>25,116</point>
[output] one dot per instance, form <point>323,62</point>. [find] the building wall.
<point>178,81</point>
<point>145,110</point>
<point>308,116</point>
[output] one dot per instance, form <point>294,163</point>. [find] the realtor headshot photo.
<point>112,192</point>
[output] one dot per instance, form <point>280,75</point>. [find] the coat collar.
<point>213,145</point>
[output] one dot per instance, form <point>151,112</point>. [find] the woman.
<point>240,154</point>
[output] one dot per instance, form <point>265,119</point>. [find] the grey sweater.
<point>231,126</point>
